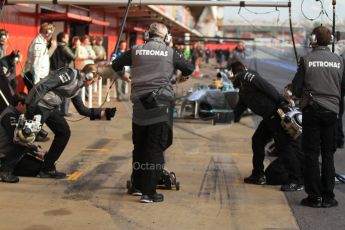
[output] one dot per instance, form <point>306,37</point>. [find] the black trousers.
<point>12,158</point>
<point>319,136</point>
<point>340,131</point>
<point>6,91</point>
<point>270,128</point>
<point>59,126</point>
<point>276,173</point>
<point>149,142</point>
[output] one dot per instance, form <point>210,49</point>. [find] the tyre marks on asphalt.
<point>98,146</point>
<point>209,182</point>
<point>191,131</point>
<point>89,156</point>
<point>218,185</point>
<point>100,179</point>
<point>89,171</point>
<point>222,184</point>
<point>92,180</point>
<point>216,182</point>
<point>99,150</point>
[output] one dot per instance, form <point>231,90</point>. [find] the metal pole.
<point>333,26</point>
<point>83,95</point>
<point>90,96</point>
<point>4,98</point>
<point>187,37</point>
<point>122,26</point>
<point>115,93</point>
<point>196,109</point>
<point>255,57</point>
<point>100,91</point>
<point>108,87</point>
<point>291,31</point>
<point>95,87</point>
<point>157,2</point>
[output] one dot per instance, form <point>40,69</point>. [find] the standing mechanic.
<point>45,99</point>
<point>152,66</point>
<point>319,82</point>
<point>263,99</point>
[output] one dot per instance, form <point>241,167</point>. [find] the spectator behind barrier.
<point>37,64</point>
<point>3,41</point>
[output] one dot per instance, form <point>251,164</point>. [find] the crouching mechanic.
<point>45,99</point>
<point>263,99</point>
<point>152,67</point>
<point>12,148</point>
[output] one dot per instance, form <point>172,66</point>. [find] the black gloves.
<point>93,114</point>
<point>284,105</point>
<point>110,112</point>
<point>29,114</point>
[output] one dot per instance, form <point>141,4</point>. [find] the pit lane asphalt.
<point>209,161</point>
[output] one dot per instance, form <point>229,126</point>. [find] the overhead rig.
<point>208,39</point>
<point>158,2</point>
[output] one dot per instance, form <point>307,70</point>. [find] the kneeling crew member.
<point>12,150</point>
<point>318,82</point>
<point>45,99</point>
<point>152,67</point>
<point>264,100</point>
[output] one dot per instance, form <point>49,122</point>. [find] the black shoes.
<point>314,202</point>
<point>291,187</point>
<point>318,202</point>
<point>255,179</point>
<point>8,177</point>
<point>52,174</point>
<point>134,192</point>
<point>156,197</point>
<point>329,203</point>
